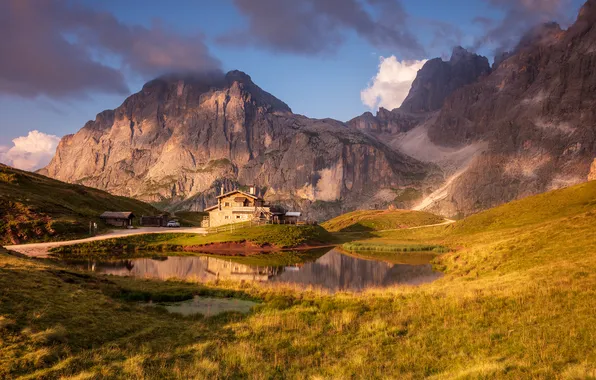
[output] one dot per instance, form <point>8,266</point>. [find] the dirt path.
<point>446,222</point>
<point>41,249</point>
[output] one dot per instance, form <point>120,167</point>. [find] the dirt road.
<point>41,249</point>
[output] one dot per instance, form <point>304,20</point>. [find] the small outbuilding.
<point>154,220</point>
<point>292,217</point>
<point>117,218</point>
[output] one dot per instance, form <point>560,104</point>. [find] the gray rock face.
<point>536,112</point>
<point>181,137</point>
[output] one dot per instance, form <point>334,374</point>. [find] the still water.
<point>332,270</point>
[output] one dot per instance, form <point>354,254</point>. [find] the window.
<point>227,204</point>
<point>227,217</point>
<point>238,216</point>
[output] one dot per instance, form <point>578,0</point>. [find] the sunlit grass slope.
<point>378,220</point>
<point>37,208</point>
<point>517,301</point>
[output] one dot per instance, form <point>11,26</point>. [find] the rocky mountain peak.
<point>458,54</point>
<point>438,79</point>
<point>196,84</point>
<point>238,76</point>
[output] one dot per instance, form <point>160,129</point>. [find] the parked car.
<point>173,223</point>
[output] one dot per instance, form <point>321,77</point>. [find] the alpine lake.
<point>327,269</point>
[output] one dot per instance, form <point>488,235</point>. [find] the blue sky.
<point>326,84</point>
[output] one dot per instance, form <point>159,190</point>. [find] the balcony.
<point>238,209</point>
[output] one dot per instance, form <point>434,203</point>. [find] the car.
<point>173,223</point>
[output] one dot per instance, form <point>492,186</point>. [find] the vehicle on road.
<point>173,223</point>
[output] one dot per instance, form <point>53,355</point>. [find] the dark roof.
<point>241,193</point>
<point>117,215</point>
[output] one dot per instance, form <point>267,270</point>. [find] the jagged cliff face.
<point>537,114</point>
<point>181,137</point>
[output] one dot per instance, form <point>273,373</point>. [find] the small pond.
<point>207,306</point>
<point>331,270</point>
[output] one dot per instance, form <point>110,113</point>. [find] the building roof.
<point>293,213</point>
<point>241,193</point>
<point>211,208</point>
<point>117,215</point>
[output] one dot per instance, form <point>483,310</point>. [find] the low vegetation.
<point>378,220</point>
<point>384,247</point>
<point>277,236</point>
<point>37,208</point>
<point>517,300</point>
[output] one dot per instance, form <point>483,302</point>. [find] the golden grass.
<point>517,301</point>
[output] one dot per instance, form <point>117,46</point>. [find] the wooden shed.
<point>117,218</point>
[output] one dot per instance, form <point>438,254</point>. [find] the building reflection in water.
<point>333,270</point>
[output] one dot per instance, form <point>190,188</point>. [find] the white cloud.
<point>390,87</point>
<point>30,152</point>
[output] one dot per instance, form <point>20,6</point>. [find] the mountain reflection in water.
<point>333,271</point>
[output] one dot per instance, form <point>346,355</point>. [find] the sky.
<point>64,61</point>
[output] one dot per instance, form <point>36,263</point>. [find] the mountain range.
<point>468,136</point>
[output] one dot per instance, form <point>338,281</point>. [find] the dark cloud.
<point>320,26</point>
<point>519,17</point>
<point>59,49</point>
<point>446,36</point>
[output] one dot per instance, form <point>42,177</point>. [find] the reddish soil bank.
<point>245,248</point>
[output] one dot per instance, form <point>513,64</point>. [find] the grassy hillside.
<point>279,236</point>
<point>517,301</point>
<point>38,208</point>
<point>378,220</point>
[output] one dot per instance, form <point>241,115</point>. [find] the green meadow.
<point>517,300</point>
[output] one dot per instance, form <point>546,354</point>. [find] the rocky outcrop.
<point>181,137</point>
<point>386,122</point>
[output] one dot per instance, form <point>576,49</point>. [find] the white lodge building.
<point>236,207</point>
